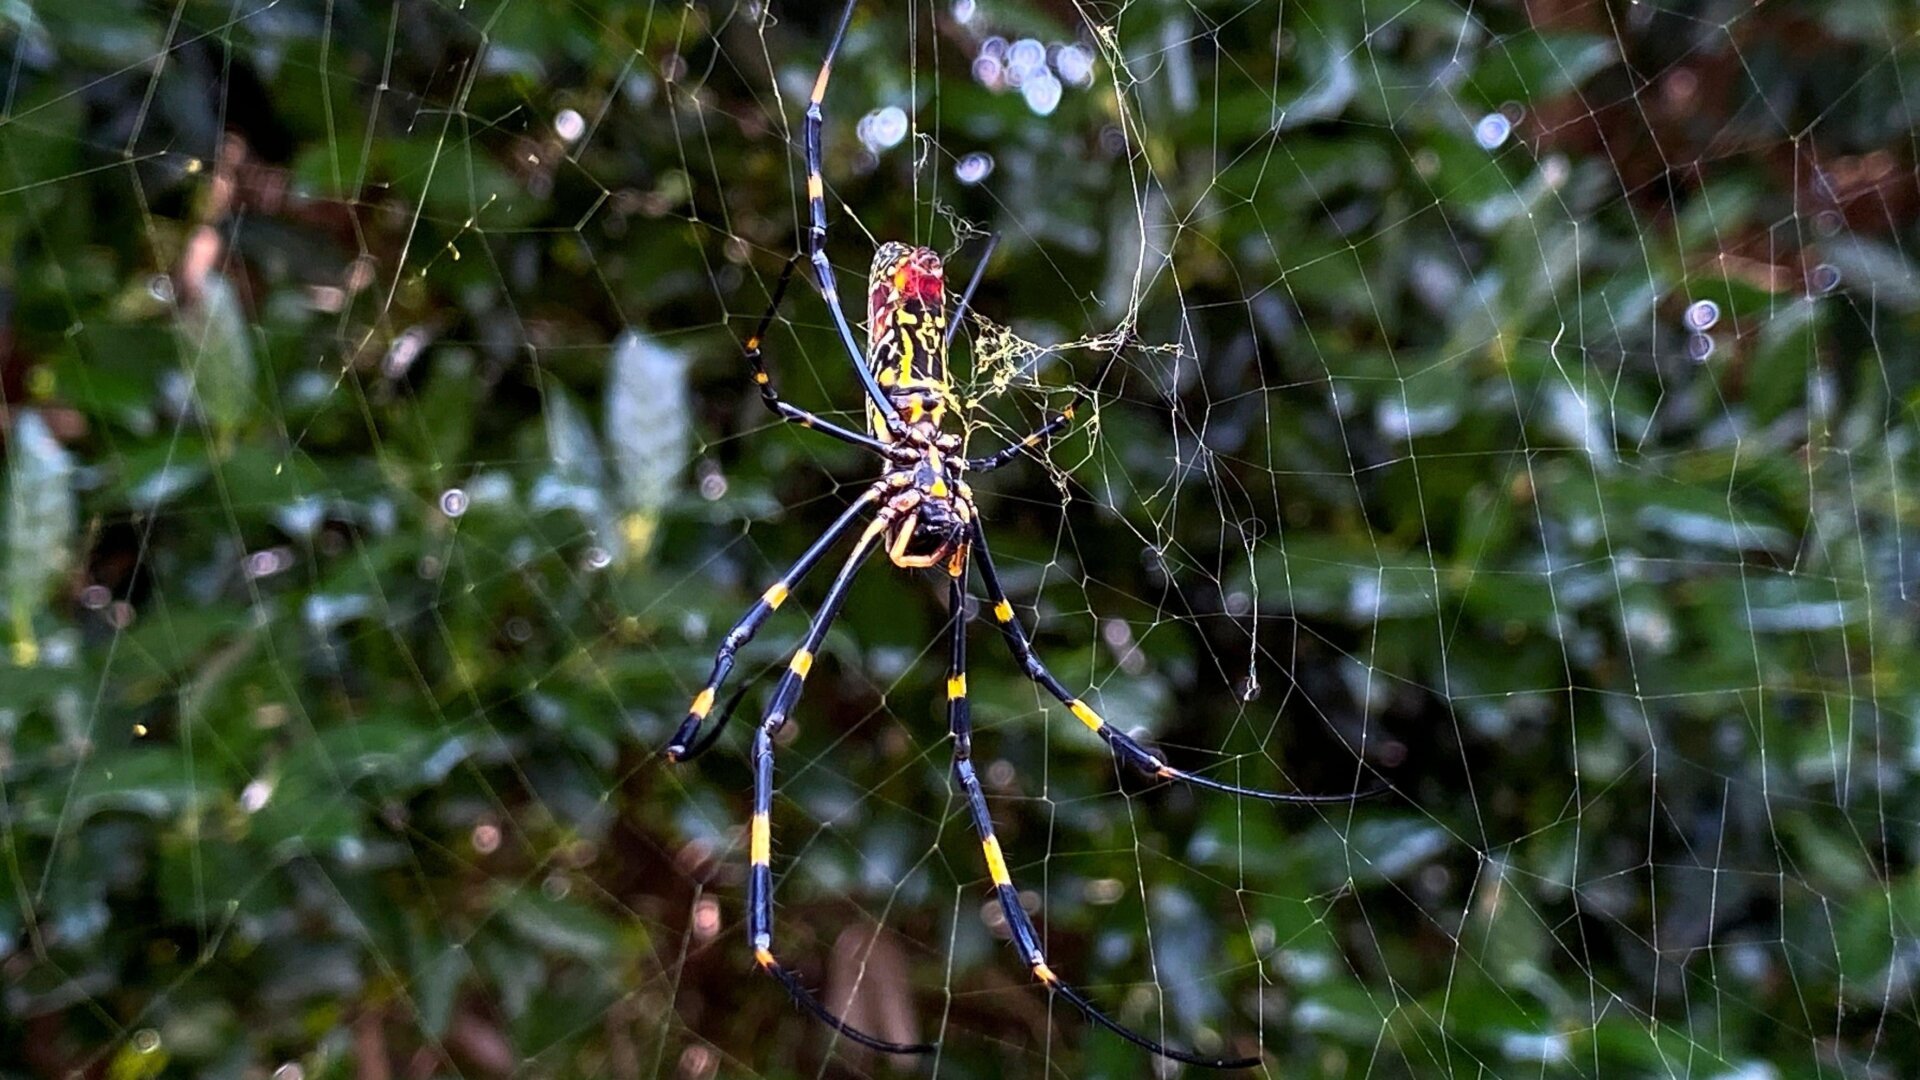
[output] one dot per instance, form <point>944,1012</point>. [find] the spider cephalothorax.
<point>930,512</point>
<point>925,514</point>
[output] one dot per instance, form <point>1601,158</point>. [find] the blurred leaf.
<point>1539,66</point>
<point>340,754</point>
<point>577,481</point>
<point>152,781</point>
<point>648,426</point>
<point>1334,82</point>
<point>1785,358</point>
<point>216,355</point>
<point>37,152</point>
<point>41,519</point>
<point>563,925</point>
<point>439,968</point>
<point>1876,270</point>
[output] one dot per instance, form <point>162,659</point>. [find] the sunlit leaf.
<point>216,356</point>
<point>41,518</point>
<point>649,429</point>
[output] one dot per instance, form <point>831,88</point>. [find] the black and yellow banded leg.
<point>1025,939</point>
<point>1052,427</point>
<point>787,692</point>
<point>1124,746</point>
<point>793,414</point>
<point>966,298</point>
<point>682,747</point>
<point>817,232</point>
<point>760,833</point>
<point>959,712</point>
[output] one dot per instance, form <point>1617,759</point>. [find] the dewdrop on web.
<point>1074,64</point>
<point>1702,315</point>
<point>973,168</point>
<point>1040,72</point>
<point>989,67</point>
<point>882,129</point>
<point>1026,59</point>
<point>1042,93</point>
<point>1492,131</point>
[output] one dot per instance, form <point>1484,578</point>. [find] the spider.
<point>923,515</point>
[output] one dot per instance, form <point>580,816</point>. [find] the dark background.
<point>381,473</point>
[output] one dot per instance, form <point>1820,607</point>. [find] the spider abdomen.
<point>907,334</point>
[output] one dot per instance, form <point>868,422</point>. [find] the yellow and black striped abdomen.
<point>907,333</point>
<point>909,346</point>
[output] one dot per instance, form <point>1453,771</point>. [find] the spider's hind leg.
<point>1124,747</point>
<point>760,844</point>
<point>1025,938</point>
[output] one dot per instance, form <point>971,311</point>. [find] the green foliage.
<point>381,473</point>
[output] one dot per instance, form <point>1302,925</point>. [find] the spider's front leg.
<point>973,283</point>
<point>817,233</point>
<point>769,396</point>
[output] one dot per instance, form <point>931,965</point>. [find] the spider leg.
<point>713,733</point>
<point>817,232</point>
<point>1124,746</point>
<point>750,624</point>
<point>760,870</point>
<point>966,298</point>
<point>1025,938</point>
<point>1052,427</point>
<point>793,414</point>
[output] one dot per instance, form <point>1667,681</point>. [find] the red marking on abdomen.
<point>929,289</point>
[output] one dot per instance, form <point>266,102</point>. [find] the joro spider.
<point>924,512</point>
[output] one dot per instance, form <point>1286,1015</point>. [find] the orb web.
<point>1512,407</point>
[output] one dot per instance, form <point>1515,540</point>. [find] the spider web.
<point>1516,404</point>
